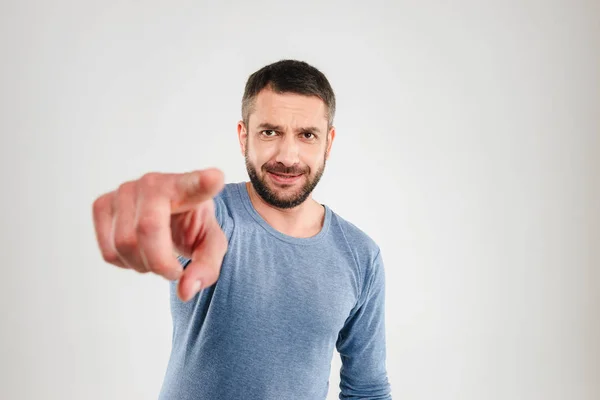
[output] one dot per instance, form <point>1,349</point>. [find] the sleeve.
<point>220,210</point>
<point>361,342</point>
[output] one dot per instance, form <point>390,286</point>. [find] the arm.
<point>361,342</point>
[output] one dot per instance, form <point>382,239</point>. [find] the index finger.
<point>194,187</point>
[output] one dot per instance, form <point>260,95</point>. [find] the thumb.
<point>195,187</point>
<point>207,259</point>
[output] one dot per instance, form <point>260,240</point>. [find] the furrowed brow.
<point>273,127</point>
<point>269,127</point>
<point>310,129</point>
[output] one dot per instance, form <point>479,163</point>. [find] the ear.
<point>331,136</point>
<point>242,135</point>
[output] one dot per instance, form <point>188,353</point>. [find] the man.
<point>266,280</point>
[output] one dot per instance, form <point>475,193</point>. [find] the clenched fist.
<point>144,223</point>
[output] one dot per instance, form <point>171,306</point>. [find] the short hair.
<point>289,76</point>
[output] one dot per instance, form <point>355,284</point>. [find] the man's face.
<point>286,145</point>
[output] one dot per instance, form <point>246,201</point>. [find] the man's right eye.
<point>268,132</point>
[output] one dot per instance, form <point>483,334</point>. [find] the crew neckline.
<point>245,198</point>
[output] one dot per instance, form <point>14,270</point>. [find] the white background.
<point>467,147</point>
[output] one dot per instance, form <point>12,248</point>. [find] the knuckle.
<point>99,206</point>
<point>123,195</point>
<point>110,257</point>
<point>191,183</point>
<point>125,242</point>
<point>141,271</point>
<point>159,268</point>
<point>150,179</point>
<point>125,189</point>
<point>148,224</point>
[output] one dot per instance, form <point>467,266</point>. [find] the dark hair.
<point>289,76</point>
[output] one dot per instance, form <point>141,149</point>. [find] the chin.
<point>286,192</point>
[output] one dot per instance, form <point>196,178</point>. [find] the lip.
<point>284,179</point>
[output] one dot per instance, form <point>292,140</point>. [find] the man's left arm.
<point>362,342</point>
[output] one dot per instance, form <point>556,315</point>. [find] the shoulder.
<point>355,237</point>
<point>228,193</point>
<point>364,249</point>
<point>226,201</point>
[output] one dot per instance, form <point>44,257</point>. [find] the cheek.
<point>315,159</point>
<point>268,152</point>
<point>261,153</point>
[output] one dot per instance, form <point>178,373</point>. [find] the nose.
<point>288,151</point>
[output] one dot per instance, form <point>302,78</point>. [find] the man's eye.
<point>308,135</point>
<point>268,133</point>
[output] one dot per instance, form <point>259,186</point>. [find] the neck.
<point>302,221</point>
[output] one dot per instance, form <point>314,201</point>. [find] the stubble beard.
<point>272,197</point>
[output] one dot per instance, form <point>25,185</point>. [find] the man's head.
<point>286,129</point>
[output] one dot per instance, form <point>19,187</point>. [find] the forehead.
<point>288,108</point>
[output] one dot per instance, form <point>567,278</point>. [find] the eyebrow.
<point>272,127</point>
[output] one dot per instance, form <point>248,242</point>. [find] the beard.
<point>270,196</point>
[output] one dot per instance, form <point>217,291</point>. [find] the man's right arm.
<point>143,222</point>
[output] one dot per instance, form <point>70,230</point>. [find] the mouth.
<point>283,178</point>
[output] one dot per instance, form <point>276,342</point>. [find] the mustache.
<point>282,169</point>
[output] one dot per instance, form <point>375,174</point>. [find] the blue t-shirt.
<point>266,330</point>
